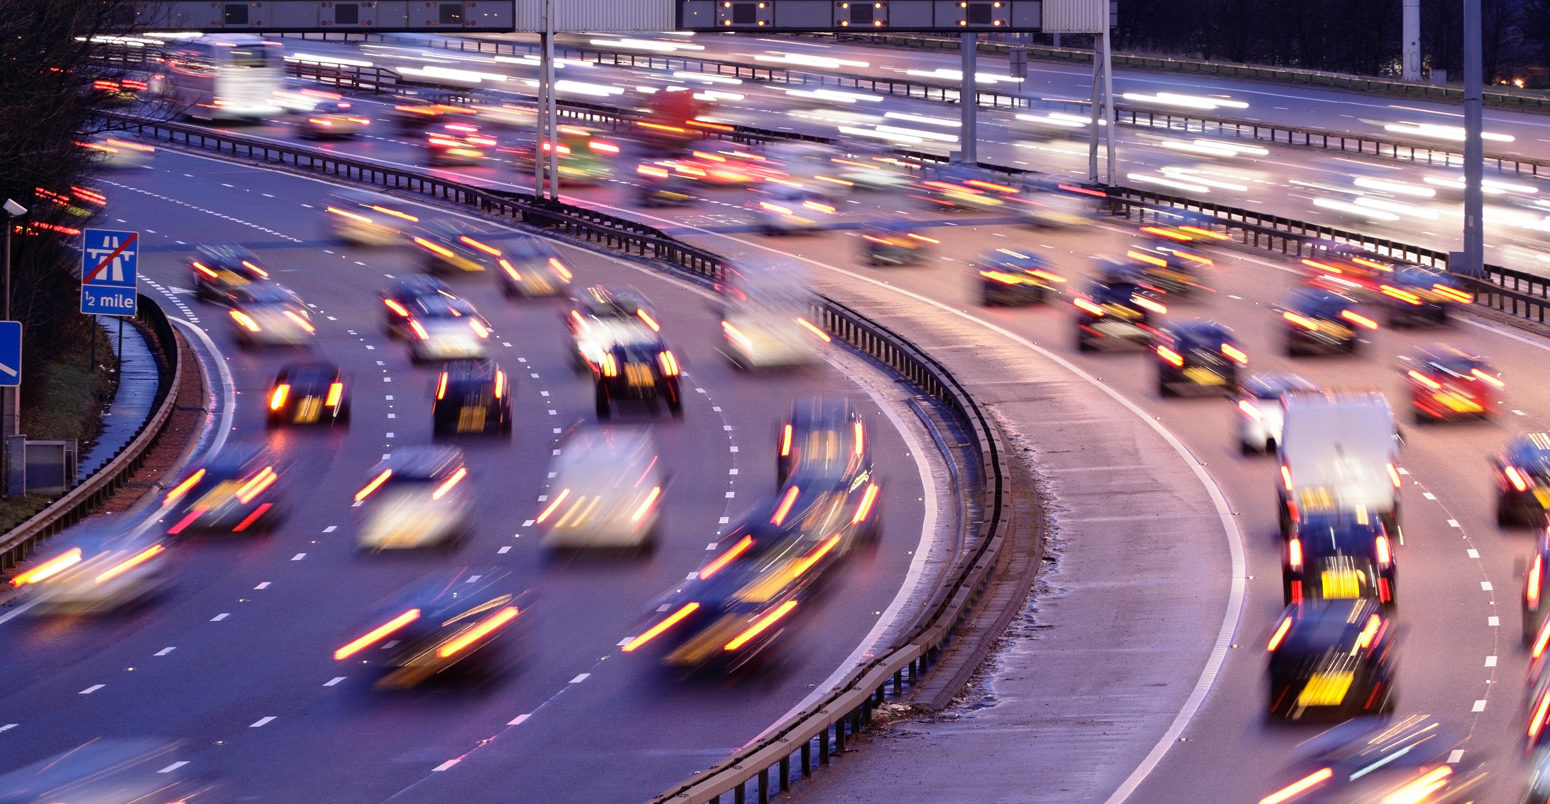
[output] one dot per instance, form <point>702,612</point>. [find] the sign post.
<point>109,281</point>
<point>10,379</point>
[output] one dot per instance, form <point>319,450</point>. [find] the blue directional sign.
<point>108,275</point>
<point>10,353</point>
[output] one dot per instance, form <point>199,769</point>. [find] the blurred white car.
<point>97,568</point>
<point>442,328</point>
<point>1260,414</point>
<point>118,151</point>
<point>268,314</point>
<point>766,319</point>
<point>607,491</point>
<point>785,208</point>
<point>417,497</point>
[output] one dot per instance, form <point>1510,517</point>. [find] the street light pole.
<point>10,401</point>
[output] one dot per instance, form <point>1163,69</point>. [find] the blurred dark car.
<point>220,270</point>
<point>458,144</point>
<point>309,393</point>
<point>1535,604</point>
<point>1385,761</point>
<point>96,567</point>
<point>448,247</point>
<point>532,267</point>
<point>666,183</point>
<point>333,119</point>
<point>1116,308</point>
<point>822,435</point>
<point>1322,322</point>
<point>895,243</point>
<point>426,107</point>
<point>234,492</point>
<point>453,620</point>
<point>1199,354</point>
<point>368,219</point>
<point>1448,383</point>
<point>640,369</point>
<point>1522,472</point>
<point>1417,296</point>
<point>111,770</point>
<point>472,397</point>
<point>1014,277</point>
<point>1338,555</point>
<point>1332,658</point>
<point>1171,268</point>
<point>399,297</point>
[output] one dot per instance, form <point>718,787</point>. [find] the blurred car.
<point>1339,554</point>
<point>727,615</point>
<point>116,150</point>
<point>1260,412</point>
<point>1015,277</point>
<point>1332,658</point>
<point>643,370</point>
<point>1447,383</point>
<point>1115,308</point>
<point>767,316</point>
<point>1057,208</point>
<point>1198,354</point>
<point>1522,471</point>
<point>309,393</point>
<point>450,620</point>
<point>426,107</point>
<point>219,271</point>
<point>368,219</point>
<point>1417,296</point>
<point>602,315</point>
<point>399,297</point>
<point>448,247</point>
<point>821,435</point>
<point>472,397</point>
<point>97,567</point>
<point>786,208</point>
<point>895,243</point>
<point>610,484</point>
<point>444,328</point>
<point>532,267</point>
<point>1535,603</point>
<point>666,183</point>
<point>332,119</point>
<point>1322,321</point>
<point>417,497</point>
<point>584,158</point>
<point>728,166</point>
<point>269,314</point>
<point>873,170</point>
<point>1171,268</point>
<point>1185,227</point>
<point>955,187</point>
<point>111,770</point>
<point>458,144</point>
<point>1406,760</point>
<point>235,491</point>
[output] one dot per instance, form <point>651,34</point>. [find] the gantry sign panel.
<point>294,16</point>
<point>841,16</point>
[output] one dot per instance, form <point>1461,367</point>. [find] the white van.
<point>1339,450</point>
<point>607,491</point>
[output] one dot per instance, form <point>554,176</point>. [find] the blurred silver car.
<point>417,497</point>
<point>95,568</point>
<point>268,314</point>
<point>607,491</point>
<point>786,208</point>
<point>766,321</point>
<point>1260,414</point>
<point>441,328</point>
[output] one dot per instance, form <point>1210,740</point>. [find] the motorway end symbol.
<point>10,353</point>
<point>109,272</point>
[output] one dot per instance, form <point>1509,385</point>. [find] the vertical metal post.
<point>120,353</point>
<point>10,400</point>
<point>1108,107</point>
<point>968,103</point>
<point>1474,157</point>
<point>541,123</point>
<point>1092,123</point>
<point>1410,40</point>
<point>552,132</point>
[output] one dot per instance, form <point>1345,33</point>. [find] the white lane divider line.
<point>724,520</point>
<point>298,556</point>
<point>164,651</point>
<point>710,546</point>
<point>335,680</point>
<point>1490,661</point>
<point>732,471</point>
<point>1453,523</point>
<point>731,494</point>
<point>518,720</point>
<point>330,528</point>
<point>392,415</point>
<point>261,722</point>
<point>1485,586</point>
<point>1455,756</point>
<point>1472,553</point>
<point>8,727</point>
<point>223,615</point>
<point>1493,621</point>
<point>174,766</point>
<point>580,677</point>
<point>89,690</point>
<point>504,549</point>
<point>444,766</point>
<point>733,448</point>
<point>262,585</point>
<point>1479,706</point>
<point>388,397</point>
<point>1428,495</point>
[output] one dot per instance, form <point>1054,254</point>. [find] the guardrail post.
<point>807,759</point>
<point>785,773</point>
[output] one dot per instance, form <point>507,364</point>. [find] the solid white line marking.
<point>444,766</point>
<point>1478,707</point>
<point>517,721</point>
<point>1490,661</point>
<point>298,556</point>
<point>164,651</point>
<point>174,766</point>
<point>1472,553</point>
<point>89,690</point>
<point>1485,586</point>
<point>223,615</point>
<point>1455,755</point>
<point>335,680</point>
<point>580,678</point>
<point>1493,621</point>
<point>261,722</point>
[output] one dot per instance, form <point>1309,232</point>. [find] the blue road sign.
<point>10,353</point>
<point>109,279</point>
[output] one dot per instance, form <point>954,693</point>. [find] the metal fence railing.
<point>102,484</point>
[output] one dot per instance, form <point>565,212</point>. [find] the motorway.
<point>1138,514</point>
<point>235,661</point>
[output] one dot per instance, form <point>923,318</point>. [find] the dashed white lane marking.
<point>1453,523</point>
<point>8,727</point>
<point>517,721</point>
<point>390,435</point>
<point>1455,755</point>
<point>1517,412</point>
<point>93,688</point>
<point>734,448</point>
<point>444,766</point>
<point>731,494</point>
<point>1485,586</point>
<point>527,523</point>
<point>164,651</point>
<point>262,585</point>
<point>388,397</point>
<point>261,722</point>
<point>504,549</point>
<point>1478,707</point>
<point>392,415</point>
<point>1490,661</point>
<point>1428,495</point>
<point>624,642</point>
<point>724,520</point>
<point>1472,553</point>
<point>726,427</point>
<point>1493,621</point>
<point>580,677</point>
<point>223,615</point>
<point>335,680</point>
<point>382,362</point>
<point>330,528</point>
<point>711,546</point>
<point>298,556</point>
<point>387,379</point>
<point>174,766</point>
